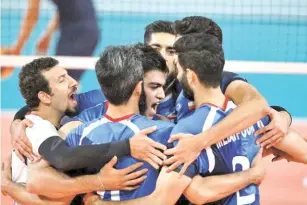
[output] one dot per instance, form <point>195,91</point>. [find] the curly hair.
<point>31,80</point>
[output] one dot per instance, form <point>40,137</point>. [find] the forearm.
<point>294,145</point>
<point>28,22</point>
<point>213,188</point>
<point>59,184</point>
<point>252,107</point>
<point>239,119</point>
<point>60,155</point>
<point>19,193</point>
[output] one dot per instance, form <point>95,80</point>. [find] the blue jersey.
<point>233,154</point>
<point>167,108</point>
<point>185,107</point>
<point>94,102</point>
<point>89,99</point>
<point>105,129</point>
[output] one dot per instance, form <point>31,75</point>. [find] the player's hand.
<point>122,179</point>
<point>146,149</point>
<point>6,172</point>
<point>43,45</point>
<point>275,131</point>
<point>185,152</point>
<point>258,169</point>
<point>20,141</point>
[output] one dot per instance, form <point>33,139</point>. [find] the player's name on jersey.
<point>244,133</point>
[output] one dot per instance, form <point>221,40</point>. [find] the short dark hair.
<point>198,24</point>
<point>151,59</point>
<point>206,59</point>
<point>118,71</point>
<point>32,81</point>
<point>197,42</point>
<point>158,27</point>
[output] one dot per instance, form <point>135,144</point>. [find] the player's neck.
<point>49,114</point>
<point>118,111</point>
<point>209,95</point>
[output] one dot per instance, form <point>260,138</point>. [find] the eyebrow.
<point>155,83</point>
<point>61,76</point>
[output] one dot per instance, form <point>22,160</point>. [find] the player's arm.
<point>57,152</point>
<point>252,107</point>
<point>62,156</point>
<point>280,120</point>
<point>19,140</point>
<point>61,185</point>
<point>18,191</point>
<point>169,188</point>
<point>68,127</point>
<point>27,25</point>
<point>277,129</point>
<point>294,146</point>
<point>213,188</point>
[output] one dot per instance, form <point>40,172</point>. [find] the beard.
<point>142,102</point>
<point>71,112</point>
<point>187,91</point>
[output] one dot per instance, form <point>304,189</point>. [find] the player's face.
<point>63,88</point>
<point>153,88</point>
<point>164,42</point>
<point>187,91</point>
<point>182,78</point>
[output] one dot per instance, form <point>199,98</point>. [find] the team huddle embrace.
<point>168,126</point>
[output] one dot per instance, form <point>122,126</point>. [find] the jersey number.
<point>244,162</point>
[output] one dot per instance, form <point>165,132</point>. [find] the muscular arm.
<point>19,193</point>
<point>252,107</point>
<point>58,184</point>
<point>213,188</point>
<point>294,145</point>
<point>60,155</point>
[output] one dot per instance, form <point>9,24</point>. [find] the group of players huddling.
<point>168,126</point>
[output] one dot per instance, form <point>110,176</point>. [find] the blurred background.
<point>273,31</point>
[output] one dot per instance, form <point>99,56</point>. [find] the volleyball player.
<point>79,32</point>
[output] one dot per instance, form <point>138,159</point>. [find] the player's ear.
<point>190,76</point>
<point>44,97</point>
<point>138,88</point>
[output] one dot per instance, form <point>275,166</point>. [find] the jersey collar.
<point>118,119</point>
<point>222,108</point>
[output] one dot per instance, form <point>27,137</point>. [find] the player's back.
<point>233,154</point>
<point>106,129</point>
